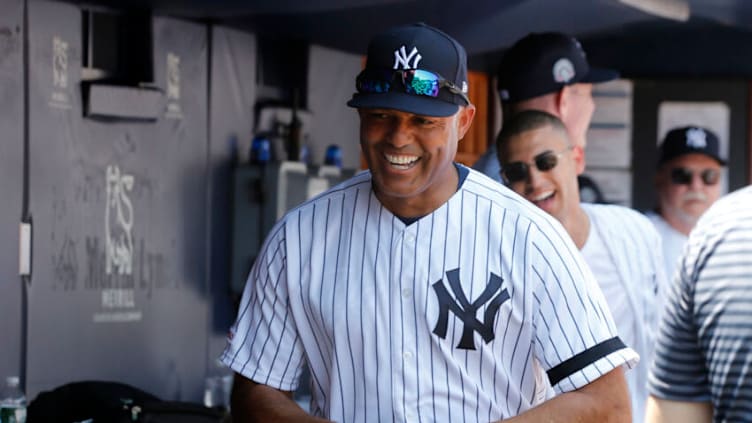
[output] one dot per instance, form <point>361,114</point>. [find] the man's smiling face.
<point>411,156</point>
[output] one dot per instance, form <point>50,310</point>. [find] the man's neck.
<point>578,226</point>
<point>424,203</point>
<point>683,226</point>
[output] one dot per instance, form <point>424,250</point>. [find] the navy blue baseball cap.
<point>413,68</point>
<point>689,140</point>
<point>543,63</point>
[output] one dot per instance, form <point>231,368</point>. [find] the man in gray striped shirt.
<point>703,366</point>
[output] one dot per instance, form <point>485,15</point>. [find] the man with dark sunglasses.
<point>549,71</point>
<point>420,290</point>
<point>687,182</point>
<point>539,162</point>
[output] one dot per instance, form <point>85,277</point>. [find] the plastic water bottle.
<point>261,150</point>
<point>12,402</point>
<point>333,156</point>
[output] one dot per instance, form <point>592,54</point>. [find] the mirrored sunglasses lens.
<point>514,172</point>
<point>373,86</point>
<point>710,176</point>
<point>681,176</point>
<point>422,82</point>
<point>373,81</point>
<point>546,161</point>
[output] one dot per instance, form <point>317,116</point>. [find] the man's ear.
<point>659,179</point>
<point>465,119</point>
<point>561,101</point>
<point>578,154</point>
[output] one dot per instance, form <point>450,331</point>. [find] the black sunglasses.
<point>518,171</point>
<point>414,81</point>
<point>684,176</point>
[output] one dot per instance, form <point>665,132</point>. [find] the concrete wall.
<point>131,217</point>
<point>11,184</point>
<point>119,286</point>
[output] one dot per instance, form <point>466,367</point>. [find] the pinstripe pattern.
<point>704,350</point>
<point>633,250</point>
<point>344,284</point>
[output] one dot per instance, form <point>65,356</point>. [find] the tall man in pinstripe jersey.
<point>421,290</point>
<point>549,71</point>
<point>621,246</point>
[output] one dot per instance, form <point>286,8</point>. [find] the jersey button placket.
<point>408,362</point>
<point>405,393</point>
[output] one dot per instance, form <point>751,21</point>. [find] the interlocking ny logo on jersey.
<point>465,311</point>
<point>402,58</point>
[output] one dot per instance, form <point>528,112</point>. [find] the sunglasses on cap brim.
<point>414,82</point>
<point>684,176</point>
<point>518,171</point>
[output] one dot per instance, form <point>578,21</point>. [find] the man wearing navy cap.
<point>687,182</point>
<point>419,290</point>
<point>548,72</point>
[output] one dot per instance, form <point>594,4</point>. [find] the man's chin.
<point>690,218</point>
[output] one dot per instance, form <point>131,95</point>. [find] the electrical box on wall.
<point>261,194</point>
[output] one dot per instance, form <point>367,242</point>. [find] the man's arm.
<point>605,400</point>
<point>660,410</point>
<point>252,402</point>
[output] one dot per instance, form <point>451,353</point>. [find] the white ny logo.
<point>696,138</point>
<point>401,57</point>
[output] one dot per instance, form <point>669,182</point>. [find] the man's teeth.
<point>543,196</point>
<point>401,160</point>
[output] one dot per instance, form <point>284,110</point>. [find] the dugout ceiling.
<point>638,43</point>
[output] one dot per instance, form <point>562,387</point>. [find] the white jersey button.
<point>408,355</point>
<point>406,293</point>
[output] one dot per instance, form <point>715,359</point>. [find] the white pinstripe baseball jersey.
<point>629,270</point>
<point>452,318</point>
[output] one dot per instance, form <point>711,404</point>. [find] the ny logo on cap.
<point>402,58</point>
<point>563,70</point>
<point>696,138</point>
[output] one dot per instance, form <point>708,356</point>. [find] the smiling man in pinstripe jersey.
<point>620,245</point>
<point>421,290</point>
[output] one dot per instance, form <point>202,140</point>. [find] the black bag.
<point>112,402</point>
<point>172,412</point>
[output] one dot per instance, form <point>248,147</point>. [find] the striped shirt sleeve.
<point>263,344</point>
